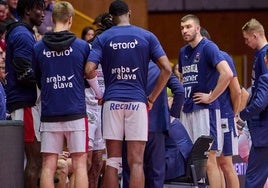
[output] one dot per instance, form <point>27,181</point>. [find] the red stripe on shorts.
<point>29,133</point>
<point>87,137</point>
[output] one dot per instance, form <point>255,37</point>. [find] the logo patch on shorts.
<point>125,106</point>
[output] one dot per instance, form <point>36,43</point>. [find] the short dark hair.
<point>101,17</point>
<point>25,5</point>
<point>98,19</point>
<point>105,23</point>
<point>85,30</point>
<point>118,8</point>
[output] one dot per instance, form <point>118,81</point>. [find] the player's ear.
<point>198,28</point>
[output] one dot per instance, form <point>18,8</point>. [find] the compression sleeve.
<point>24,71</point>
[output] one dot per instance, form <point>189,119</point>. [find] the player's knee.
<point>96,168</point>
<point>135,161</point>
<point>33,168</point>
<point>98,164</point>
<point>34,163</point>
<point>211,163</point>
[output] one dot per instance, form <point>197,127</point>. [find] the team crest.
<point>197,57</point>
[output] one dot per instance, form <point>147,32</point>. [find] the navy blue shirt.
<point>2,103</point>
<point>198,67</point>
<point>178,147</point>
<point>124,53</point>
<point>258,106</point>
<point>20,42</point>
<point>259,68</point>
<point>225,99</point>
<point>61,75</point>
<point>159,115</point>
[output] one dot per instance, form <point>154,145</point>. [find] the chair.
<point>196,166</point>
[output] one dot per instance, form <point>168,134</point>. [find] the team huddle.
<point>82,98</point>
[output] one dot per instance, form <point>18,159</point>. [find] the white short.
<point>230,145</point>
<point>96,141</point>
<point>204,122</point>
<point>74,125</point>
<point>31,118</point>
<point>127,120</point>
<point>77,140</point>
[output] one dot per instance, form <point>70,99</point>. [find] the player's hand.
<point>100,102</point>
<point>240,124</point>
<point>64,155</point>
<point>150,106</point>
<point>150,103</point>
<point>200,97</point>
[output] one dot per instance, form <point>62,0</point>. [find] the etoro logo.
<point>123,45</point>
<point>50,54</point>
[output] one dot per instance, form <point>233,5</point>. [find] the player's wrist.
<point>210,99</point>
<point>150,101</point>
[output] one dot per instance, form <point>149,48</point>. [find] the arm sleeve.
<point>24,71</point>
<point>95,86</point>
<point>178,95</point>
<point>259,100</point>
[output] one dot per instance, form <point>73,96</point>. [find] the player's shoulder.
<point>81,41</point>
<point>81,44</point>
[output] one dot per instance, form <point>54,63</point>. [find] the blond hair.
<point>253,25</point>
<point>62,11</point>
